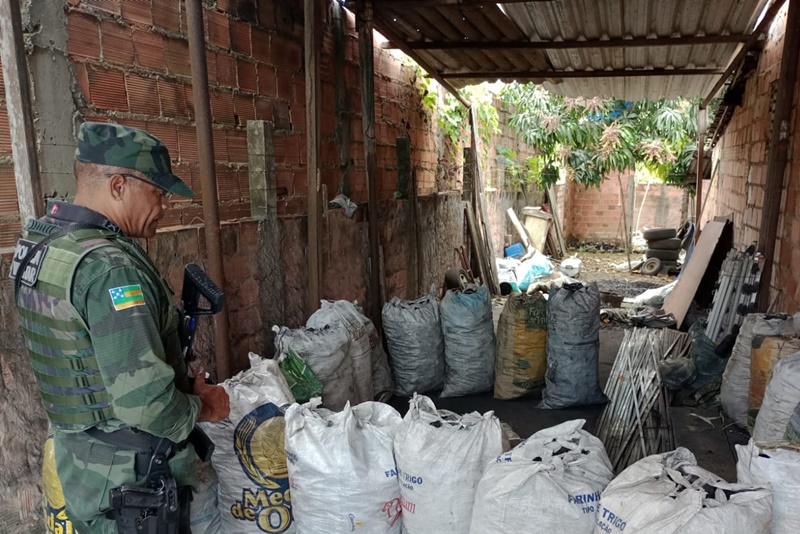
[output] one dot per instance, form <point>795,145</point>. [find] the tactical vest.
<point>56,336</point>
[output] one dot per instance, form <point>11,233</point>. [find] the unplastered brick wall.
<point>595,214</point>
<point>743,153</point>
<point>9,209</point>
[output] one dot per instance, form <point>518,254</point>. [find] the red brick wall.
<point>743,152</point>
<point>9,209</point>
<point>595,214</point>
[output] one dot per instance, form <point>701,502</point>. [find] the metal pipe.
<point>780,137</point>
<point>205,140</point>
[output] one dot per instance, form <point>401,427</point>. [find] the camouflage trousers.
<point>88,469</point>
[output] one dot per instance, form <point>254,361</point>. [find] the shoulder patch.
<point>126,297</point>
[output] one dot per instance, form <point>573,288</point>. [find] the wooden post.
<point>490,278</point>
<point>779,152</point>
<point>367,60</point>
<point>20,112</point>
<point>263,207</point>
<point>313,46</point>
<point>702,119</point>
<point>403,166</point>
<point>469,175</point>
<point>340,90</point>
<point>625,232</point>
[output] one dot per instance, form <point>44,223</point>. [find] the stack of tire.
<point>663,249</point>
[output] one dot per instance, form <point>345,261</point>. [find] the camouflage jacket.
<point>138,353</point>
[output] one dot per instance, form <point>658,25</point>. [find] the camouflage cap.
<point>120,146</point>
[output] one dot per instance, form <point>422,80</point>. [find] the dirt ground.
<point>599,267</point>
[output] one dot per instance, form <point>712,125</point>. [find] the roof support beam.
<point>387,32</point>
<point>769,16</point>
<point>380,4</point>
<point>554,74</point>
<point>571,44</point>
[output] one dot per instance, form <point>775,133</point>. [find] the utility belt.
<point>163,507</point>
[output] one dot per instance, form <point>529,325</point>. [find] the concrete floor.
<point>713,447</point>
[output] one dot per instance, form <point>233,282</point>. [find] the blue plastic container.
<point>514,251</point>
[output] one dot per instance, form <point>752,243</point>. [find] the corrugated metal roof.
<point>567,41</point>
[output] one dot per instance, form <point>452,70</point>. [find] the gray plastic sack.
<point>416,346</point>
<point>326,352</point>
<point>469,342</point>
<point>573,347</point>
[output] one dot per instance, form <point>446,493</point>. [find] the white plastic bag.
<point>342,469</point>
<point>249,457</point>
<point>669,494</point>
<point>327,352</point>
<point>555,476</point>
<point>441,457</point>
<point>781,469</point>
<point>780,399</point>
<point>469,342</point>
<point>533,269</point>
<point>736,379</point>
<point>413,331</point>
<point>343,313</point>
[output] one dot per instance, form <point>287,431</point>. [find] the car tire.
<point>651,267</point>
<point>665,244</point>
<point>656,234</point>
<point>667,255</point>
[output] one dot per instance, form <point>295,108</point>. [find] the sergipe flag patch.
<point>126,297</point>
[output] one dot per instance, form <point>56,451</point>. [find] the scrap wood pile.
<point>636,423</point>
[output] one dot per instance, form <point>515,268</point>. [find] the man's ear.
<point>117,184</point>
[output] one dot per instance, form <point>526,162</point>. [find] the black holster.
<point>160,508</point>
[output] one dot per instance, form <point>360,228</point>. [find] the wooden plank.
<point>702,116</point>
<point>778,156</point>
<point>313,46</point>
<point>552,201</point>
<point>340,90</point>
<point>679,300</point>
<point>480,201</point>
<point>367,64</point>
<point>477,243</point>
<point>20,112</point>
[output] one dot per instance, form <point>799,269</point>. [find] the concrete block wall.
<point>743,153</point>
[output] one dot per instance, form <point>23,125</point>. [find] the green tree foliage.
<point>588,138</point>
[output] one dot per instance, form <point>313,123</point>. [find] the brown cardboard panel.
<point>714,236</point>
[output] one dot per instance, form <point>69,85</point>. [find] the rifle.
<point>196,284</point>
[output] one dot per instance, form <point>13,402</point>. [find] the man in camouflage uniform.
<point>100,325</point>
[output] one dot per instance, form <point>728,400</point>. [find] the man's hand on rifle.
<point>216,403</point>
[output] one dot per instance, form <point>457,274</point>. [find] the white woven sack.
<point>669,494</point>
<point>781,469</point>
<point>441,457</point>
<point>555,476</point>
<point>342,469</point>
<point>344,313</point>
<point>249,457</point>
